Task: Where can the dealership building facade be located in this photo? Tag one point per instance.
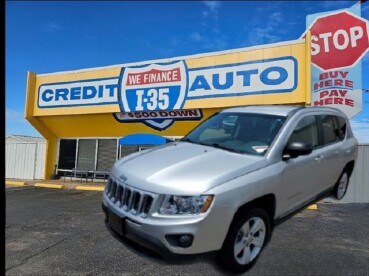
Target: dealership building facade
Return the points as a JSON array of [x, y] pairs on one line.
[[84, 114]]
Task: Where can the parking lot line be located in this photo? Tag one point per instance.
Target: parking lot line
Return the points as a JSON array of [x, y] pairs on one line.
[[312, 207], [52, 186], [17, 183], [90, 188]]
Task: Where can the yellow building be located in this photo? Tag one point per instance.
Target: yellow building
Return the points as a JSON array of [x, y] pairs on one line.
[[82, 114]]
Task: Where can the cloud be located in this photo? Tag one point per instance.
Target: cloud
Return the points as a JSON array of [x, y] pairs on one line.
[[260, 35], [15, 123], [209, 34], [14, 116], [212, 8], [196, 36], [276, 18], [51, 27], [216, 44]]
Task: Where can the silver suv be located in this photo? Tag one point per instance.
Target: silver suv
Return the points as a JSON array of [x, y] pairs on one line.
[[231, 180]]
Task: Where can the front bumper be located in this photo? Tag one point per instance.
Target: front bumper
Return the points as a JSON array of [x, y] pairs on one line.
[[152, 232]]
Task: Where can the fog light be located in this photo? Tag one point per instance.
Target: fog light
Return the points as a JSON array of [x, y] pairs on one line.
[[182, 240], [185, 240]]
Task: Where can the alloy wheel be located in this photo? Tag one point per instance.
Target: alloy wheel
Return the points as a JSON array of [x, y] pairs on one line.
[[249, 240]]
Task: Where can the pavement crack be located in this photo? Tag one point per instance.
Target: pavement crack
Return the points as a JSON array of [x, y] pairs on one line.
[[35, 254]]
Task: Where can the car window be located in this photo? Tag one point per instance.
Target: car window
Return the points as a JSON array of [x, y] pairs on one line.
[[329, 129], [219, 128], [238, 132], [306, 131], [340, 128]]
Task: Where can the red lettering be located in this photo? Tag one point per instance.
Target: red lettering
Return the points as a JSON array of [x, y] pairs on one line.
[[349, 83], [338, 82], [319, 103], [338, 101], [349, 102], [324, 93]]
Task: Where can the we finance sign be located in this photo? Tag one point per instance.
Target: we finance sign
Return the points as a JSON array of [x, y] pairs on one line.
[[156, 93]]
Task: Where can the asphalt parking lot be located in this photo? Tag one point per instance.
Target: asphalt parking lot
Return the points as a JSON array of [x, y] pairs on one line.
[[54, 232]]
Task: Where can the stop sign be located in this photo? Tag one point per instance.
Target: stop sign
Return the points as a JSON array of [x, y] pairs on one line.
[[338, 40]]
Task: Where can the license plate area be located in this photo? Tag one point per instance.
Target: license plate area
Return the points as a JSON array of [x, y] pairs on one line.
[[115, 222]]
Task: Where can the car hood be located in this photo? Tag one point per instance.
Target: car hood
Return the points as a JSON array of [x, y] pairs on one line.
[[183, 168]]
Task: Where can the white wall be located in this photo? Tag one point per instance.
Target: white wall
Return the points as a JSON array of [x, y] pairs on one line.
[[358, 191], [25, 160]]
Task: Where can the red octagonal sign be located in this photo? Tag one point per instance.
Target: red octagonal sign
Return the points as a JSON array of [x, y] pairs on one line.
[[338, 40]]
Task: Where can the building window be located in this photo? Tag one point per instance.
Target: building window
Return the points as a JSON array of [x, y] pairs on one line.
[[67, 154], [86, 154], [127, 149], [106, 154]]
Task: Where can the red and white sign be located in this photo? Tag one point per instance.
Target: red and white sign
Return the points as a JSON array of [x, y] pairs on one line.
[[338, 40], [335, 89]]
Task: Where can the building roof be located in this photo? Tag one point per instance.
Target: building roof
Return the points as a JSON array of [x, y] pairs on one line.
[[279, 110], [23, 139]]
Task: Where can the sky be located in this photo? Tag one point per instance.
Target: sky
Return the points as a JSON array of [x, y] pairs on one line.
[[52, 36]]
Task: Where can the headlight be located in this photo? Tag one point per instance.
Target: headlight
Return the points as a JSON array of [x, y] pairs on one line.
[[185, 205]]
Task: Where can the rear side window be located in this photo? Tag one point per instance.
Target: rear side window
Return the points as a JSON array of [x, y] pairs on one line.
[[340, 129], [333, 128]]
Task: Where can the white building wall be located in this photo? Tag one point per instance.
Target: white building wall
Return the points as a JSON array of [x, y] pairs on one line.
[[24, 160], [358, 191], [40, 160]]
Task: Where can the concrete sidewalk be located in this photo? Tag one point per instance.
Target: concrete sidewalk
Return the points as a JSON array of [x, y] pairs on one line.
[[60, 184]]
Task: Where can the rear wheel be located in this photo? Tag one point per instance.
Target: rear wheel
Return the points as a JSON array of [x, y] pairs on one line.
[[342, 185], [245, 240]]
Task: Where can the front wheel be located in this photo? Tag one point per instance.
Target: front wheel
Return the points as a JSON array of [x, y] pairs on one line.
[[245, 240], [342, 185]]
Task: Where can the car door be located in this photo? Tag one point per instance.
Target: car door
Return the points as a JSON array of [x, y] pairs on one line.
[[301, 173], [331, 161]]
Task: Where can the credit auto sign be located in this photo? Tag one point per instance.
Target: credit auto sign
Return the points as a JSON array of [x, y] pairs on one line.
[[338, 40]]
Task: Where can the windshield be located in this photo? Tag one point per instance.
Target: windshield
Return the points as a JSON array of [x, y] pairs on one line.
[[238, 132]]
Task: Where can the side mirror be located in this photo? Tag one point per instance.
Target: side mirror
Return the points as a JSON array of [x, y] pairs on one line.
[[295, 149]]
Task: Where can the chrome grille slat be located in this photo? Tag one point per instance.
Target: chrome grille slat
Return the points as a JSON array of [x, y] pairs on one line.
[[140, 205], [129, 199]]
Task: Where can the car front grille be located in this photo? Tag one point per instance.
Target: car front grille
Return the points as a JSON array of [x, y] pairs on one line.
[[128, 199]]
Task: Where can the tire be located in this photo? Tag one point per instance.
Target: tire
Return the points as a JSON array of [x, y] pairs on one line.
[[342, 185], [246, 238]]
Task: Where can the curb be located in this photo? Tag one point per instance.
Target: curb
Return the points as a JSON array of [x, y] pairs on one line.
[[90, 188], [16, 183], [312, 207], [52, 186]]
